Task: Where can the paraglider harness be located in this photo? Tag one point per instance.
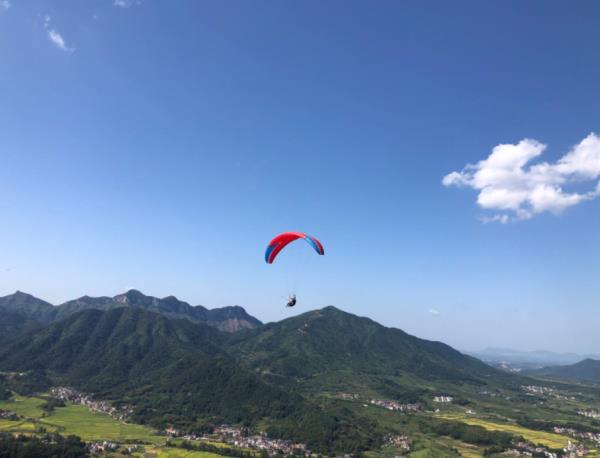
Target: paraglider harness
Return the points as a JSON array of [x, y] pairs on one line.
[[291, 301]]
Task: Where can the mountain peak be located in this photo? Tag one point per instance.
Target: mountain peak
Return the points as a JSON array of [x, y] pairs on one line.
[[130, 296], [22, 297], [332, 309]]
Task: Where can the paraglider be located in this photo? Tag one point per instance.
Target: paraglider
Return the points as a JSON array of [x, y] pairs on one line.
[[291, 301], [281, 241]]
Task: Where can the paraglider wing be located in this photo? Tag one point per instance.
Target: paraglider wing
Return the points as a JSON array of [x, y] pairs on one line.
[[282, 240]]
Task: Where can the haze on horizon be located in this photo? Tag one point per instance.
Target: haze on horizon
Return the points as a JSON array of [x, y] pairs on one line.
[[448, 161]]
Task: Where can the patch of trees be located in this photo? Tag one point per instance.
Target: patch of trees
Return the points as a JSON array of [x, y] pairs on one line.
[[542, 425], [26, 384], [476, 435], [49, 446], [5, 394], [51, 404]]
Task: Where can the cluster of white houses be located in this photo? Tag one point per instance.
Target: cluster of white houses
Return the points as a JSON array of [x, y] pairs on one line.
[[65, 393], [590, 413], [8, 415], [243, 438], [395, 405], [103, 446], [397, 440], [535, 389], [586, 435]]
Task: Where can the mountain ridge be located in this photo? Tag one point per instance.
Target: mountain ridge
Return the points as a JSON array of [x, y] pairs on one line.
[[586, 371], [341, 351], [31, 308]]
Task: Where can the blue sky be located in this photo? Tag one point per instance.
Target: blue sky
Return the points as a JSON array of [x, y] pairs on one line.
[[160, 145]]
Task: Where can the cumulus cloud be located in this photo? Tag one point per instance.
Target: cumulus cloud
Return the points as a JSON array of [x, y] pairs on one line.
[[435, 312], [513, 188], [5, 4]]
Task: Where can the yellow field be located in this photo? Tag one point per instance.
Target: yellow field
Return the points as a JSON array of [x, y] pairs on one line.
[[551, 440], [8, 426], [167, 452], [465, 450]]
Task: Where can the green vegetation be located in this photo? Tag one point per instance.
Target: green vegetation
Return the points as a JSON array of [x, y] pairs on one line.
[[330, 340], [24, 406], [79, 421], [283, 378], [155, 364], [586, 371], [22, 312], [75, 420], [169, 452], [547, 439], [47, 446]]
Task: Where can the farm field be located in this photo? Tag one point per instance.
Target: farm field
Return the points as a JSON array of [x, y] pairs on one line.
[[169, 452], [80, 421], [547, 439], [75, 420], [28, 407]]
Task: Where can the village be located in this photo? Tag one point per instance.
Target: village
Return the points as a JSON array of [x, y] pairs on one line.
[[244, 438], [8, 415], [535, 390], [528, 449], [394, 405], [76, 397], [397, 441], [385, 403], [590, 413]]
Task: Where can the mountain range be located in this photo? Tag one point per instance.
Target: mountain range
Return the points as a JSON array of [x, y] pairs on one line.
[[177, 364], [527, 359], [586, 371], [28, 312]]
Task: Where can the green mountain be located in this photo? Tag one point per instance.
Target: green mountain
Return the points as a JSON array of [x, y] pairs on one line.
[[587, 370], [174, 370], [35, 310], [334, 350], [12, 324], [28, 306], [282, 376]]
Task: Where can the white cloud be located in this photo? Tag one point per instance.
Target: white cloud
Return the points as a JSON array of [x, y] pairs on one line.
[[5, 4], [503, 219], [59, 41], [126, 3], [507, 184], [435, 312]]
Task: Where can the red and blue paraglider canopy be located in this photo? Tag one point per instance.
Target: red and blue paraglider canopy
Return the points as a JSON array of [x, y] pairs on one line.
[[282, 240]]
